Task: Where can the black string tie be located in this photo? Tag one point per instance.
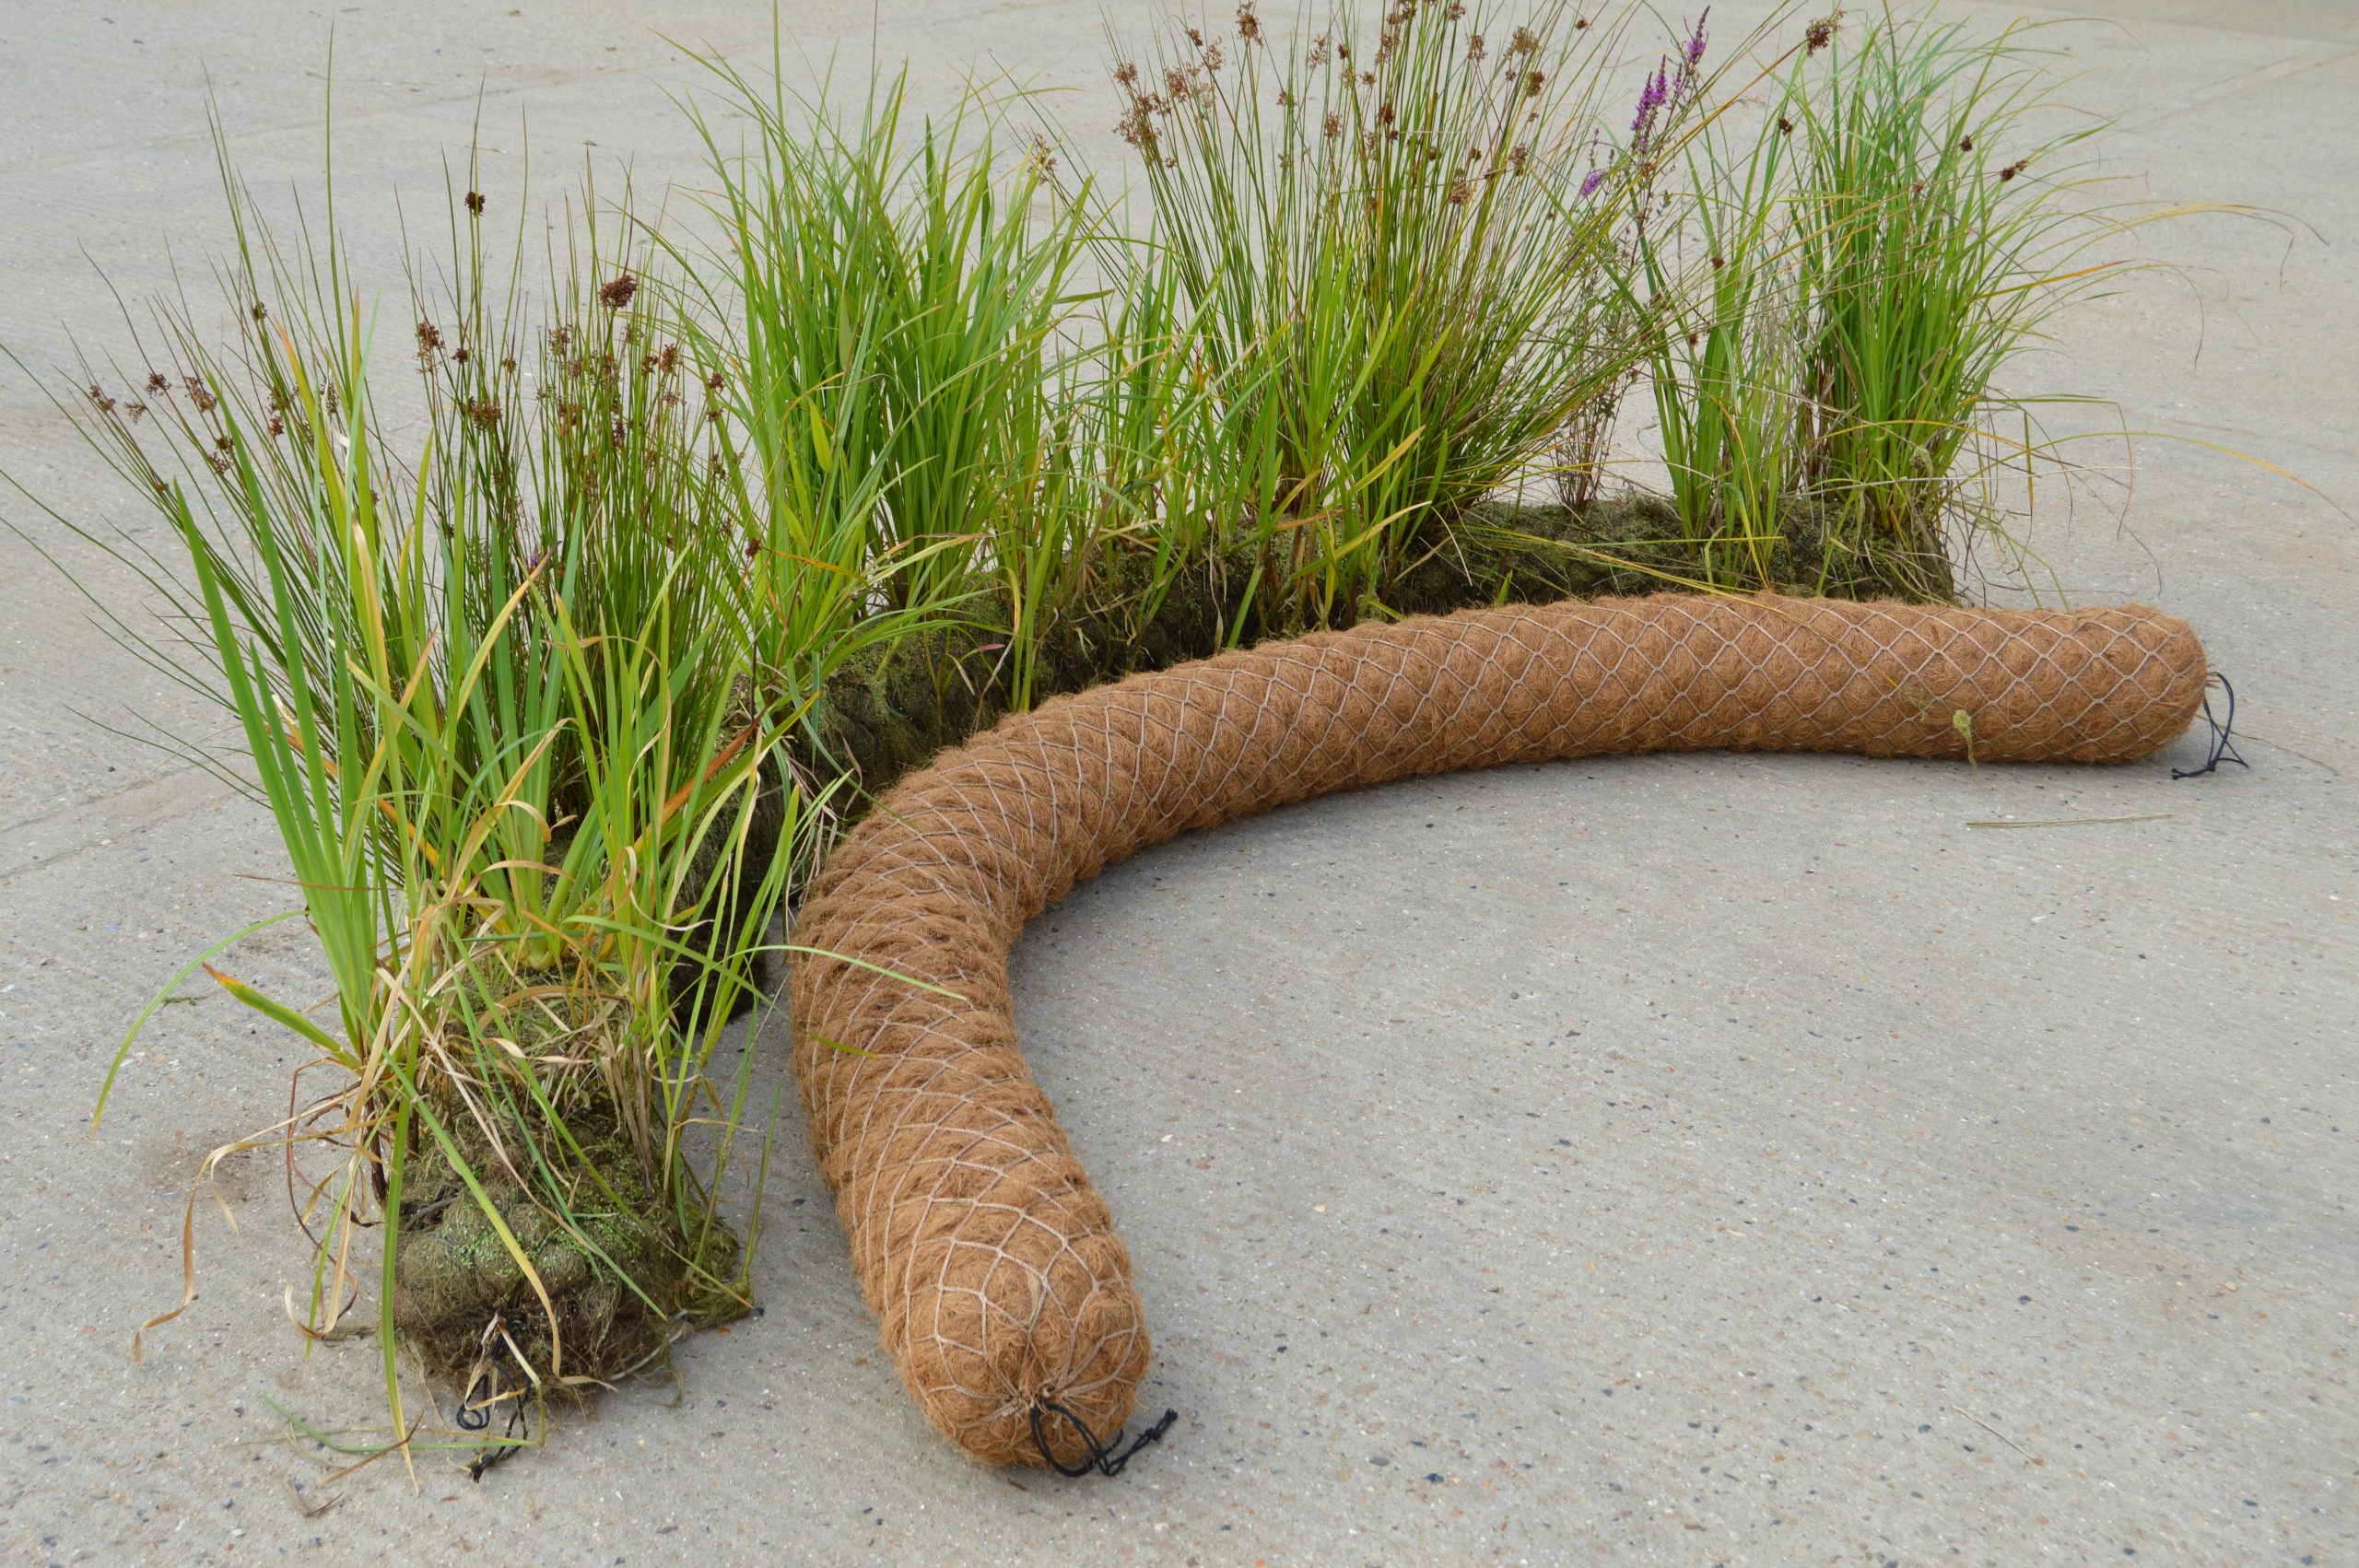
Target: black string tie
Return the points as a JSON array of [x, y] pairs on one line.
[[2223, 750], [475, 1415], [1099, 1461]]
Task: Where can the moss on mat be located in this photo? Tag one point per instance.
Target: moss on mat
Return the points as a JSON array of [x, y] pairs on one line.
[[454, 1279]]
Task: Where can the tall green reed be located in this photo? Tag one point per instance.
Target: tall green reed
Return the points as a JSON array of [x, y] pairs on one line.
[[1927, 257], [964, 395]]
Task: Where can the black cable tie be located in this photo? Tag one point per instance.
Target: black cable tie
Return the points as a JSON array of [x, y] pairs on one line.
[[2223, 750], [507, 1443], [472, 1416], [1099, 1461], [476, 1415]]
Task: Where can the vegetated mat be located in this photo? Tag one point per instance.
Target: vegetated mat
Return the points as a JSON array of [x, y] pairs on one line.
[[893, 706], [1004, 1295]]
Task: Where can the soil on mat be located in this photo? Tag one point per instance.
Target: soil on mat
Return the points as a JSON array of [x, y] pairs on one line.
[[453, 1278], [886, 712]]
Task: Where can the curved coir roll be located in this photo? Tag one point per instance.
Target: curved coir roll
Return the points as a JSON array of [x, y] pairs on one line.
[[978, 1241]]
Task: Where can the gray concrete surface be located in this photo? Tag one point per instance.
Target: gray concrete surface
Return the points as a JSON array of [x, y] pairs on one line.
[[1695, 1160]]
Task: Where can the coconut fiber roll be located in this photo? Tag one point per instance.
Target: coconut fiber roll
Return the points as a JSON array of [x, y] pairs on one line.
[[990, 1262]]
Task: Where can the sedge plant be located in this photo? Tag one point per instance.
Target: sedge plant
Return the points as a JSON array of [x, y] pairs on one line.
[[1939, 225], [1866, 233], [884, 310], [1394, 270], [496, 693]]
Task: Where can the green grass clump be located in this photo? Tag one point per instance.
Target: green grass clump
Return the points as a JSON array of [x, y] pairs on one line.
[[943, 393], [1393, 272], [495, 689], [1860, 243], [1936, 234], [1721, 361]]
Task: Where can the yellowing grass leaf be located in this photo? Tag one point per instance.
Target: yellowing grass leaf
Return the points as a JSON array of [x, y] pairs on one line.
[[280, 1014]]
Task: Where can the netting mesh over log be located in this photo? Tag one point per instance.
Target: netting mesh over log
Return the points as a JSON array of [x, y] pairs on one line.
[[990, 1261]]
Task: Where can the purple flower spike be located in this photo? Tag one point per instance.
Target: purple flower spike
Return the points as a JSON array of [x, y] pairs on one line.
[[1590, 185], [1690, 58], [1651, 97], [1650, 100]]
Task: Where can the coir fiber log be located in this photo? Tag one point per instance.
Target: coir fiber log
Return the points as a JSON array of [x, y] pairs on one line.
[[988, 1260]]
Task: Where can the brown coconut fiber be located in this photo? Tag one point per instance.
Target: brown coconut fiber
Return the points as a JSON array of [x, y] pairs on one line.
[[990, 1261]]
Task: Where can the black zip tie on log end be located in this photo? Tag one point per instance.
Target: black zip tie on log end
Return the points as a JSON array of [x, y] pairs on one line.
[[1101, 1460], [2223, 749]]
